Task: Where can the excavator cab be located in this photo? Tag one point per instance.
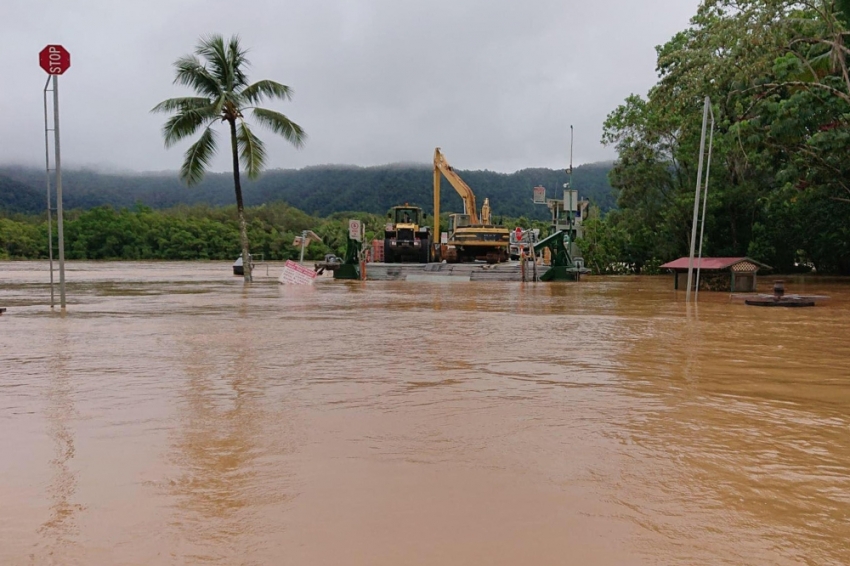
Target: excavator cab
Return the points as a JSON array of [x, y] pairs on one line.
[[458, 221]]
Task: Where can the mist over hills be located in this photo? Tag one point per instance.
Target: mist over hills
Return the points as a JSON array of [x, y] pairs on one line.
[[319, 190]]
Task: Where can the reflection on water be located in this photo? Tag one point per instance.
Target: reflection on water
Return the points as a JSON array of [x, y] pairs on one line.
[[176, 416], [58, 532], [219, 448]]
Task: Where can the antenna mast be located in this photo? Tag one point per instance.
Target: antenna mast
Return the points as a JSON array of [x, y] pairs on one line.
[[570, 183]]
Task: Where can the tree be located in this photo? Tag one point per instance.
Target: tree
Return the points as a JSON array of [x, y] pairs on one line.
[[217, 73], [777, 74]]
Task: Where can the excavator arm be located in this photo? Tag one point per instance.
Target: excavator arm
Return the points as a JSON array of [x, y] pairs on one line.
[[441, 166]]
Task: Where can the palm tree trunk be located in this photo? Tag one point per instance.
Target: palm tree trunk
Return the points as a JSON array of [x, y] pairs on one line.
[[237, 185]]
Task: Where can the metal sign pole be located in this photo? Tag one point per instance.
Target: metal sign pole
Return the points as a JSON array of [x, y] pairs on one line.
[[49, 199], [303, 244], [59, 212], [55, 60]]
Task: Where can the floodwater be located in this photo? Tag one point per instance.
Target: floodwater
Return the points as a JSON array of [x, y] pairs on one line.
[[174, 416]]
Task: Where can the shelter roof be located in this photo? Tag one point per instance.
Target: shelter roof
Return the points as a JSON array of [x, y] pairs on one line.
[[717, 263]]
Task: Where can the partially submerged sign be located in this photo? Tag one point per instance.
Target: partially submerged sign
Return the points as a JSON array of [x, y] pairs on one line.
[[295, 274], [306, 237]]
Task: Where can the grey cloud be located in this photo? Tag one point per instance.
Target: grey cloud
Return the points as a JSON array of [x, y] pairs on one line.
[[495, 83]]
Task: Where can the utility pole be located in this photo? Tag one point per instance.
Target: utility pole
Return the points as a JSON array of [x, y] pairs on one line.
[[568, 196], [704, 201], [705, 114], [572, 209]]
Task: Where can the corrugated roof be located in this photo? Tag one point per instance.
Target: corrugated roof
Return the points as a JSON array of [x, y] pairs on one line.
[[709, 263]]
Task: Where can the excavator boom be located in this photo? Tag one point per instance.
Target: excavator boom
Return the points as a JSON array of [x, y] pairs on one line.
[[442, 166], [470, 237]]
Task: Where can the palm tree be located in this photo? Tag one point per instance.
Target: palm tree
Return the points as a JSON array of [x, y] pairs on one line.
[[217, 73]]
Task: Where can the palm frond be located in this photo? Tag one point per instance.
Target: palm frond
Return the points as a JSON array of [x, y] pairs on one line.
[[238, 62], [198, 158], [190, 72], [261, 90], [281, 125], [186, 122], [179, 104], [227, 61], [211, 48], [252, 151]]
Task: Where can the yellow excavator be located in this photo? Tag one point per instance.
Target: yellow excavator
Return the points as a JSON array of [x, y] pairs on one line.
[[470, 237]]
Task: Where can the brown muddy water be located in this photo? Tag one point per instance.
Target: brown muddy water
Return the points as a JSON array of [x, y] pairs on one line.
[[174, 416]]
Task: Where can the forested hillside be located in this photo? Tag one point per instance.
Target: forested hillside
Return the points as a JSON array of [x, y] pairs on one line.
[[320, 191], [19, 197]]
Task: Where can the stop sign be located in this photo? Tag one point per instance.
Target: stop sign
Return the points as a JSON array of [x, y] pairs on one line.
[[54, 59], [518, 233]]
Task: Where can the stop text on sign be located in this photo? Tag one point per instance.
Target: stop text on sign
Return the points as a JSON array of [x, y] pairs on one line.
[[54, 59]]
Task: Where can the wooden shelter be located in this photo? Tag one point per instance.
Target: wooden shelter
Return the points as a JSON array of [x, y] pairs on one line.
[[733, 274]]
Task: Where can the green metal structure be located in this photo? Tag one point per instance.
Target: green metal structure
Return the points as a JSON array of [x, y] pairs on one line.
[[350, 268], [562, 267]]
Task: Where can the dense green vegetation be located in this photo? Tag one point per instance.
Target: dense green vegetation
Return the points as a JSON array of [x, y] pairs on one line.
[[180, 233], [777, 75], [187, 233], [321, 191]]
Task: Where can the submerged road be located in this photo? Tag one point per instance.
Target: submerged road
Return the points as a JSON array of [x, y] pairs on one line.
[[174, 416]]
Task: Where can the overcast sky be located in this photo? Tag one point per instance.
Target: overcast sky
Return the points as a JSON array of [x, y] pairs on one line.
[[496, 84]]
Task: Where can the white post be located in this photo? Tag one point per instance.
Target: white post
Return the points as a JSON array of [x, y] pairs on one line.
[[696, 201], [705, 201], [303, 244], [59, 213]]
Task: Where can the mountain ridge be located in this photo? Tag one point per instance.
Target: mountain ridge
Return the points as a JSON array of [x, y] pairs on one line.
[[320, 189]]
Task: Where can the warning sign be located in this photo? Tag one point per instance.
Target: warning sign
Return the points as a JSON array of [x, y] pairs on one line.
[[295, 274], [539, 195], [354, 230]]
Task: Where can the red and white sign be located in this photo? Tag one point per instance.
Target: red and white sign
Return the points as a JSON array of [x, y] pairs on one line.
[[354, 230], [539, 195], [296, 274], [54, 59], [518, 234]]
